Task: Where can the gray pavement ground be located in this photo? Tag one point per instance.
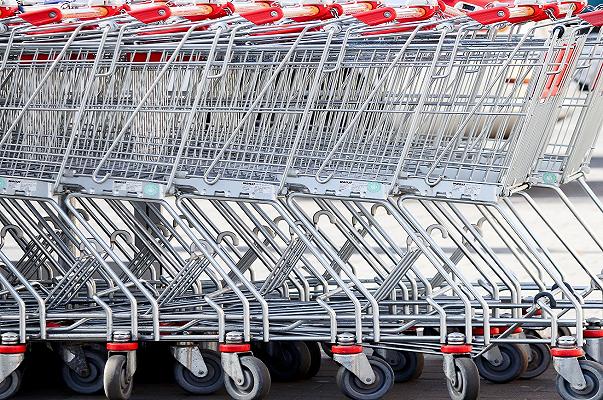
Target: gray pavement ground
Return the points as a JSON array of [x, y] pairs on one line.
[[430, 386]]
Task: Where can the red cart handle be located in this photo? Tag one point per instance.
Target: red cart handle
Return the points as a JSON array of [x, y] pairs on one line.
[[8, 11], [492, 15], [148, 14], [264, 15], [595, 18], [376, 17]]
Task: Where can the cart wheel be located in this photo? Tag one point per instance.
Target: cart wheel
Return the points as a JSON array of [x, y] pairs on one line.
[[256, 384], [286, 361], [539, 360], [326, 347], [315, 359], [514, 364], [564, 331], [593, 374], [466, 384], [90, 383], [405, 364], [353, 388], [10, 386], [210, 383], [117, 383]]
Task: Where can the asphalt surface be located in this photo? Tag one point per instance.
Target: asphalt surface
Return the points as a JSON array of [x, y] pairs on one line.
[[157, 385]]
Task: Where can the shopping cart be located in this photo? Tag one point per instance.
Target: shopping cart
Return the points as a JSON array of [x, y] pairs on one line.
[[260, 133]]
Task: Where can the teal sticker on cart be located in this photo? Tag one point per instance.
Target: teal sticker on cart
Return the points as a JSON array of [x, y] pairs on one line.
[[151, 190], [2, 183], [374, 187], [549, 178]]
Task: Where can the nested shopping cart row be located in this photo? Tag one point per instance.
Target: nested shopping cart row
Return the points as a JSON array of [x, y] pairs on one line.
[[272, 179]]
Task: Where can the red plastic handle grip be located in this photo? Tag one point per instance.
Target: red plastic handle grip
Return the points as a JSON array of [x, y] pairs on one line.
[[548, 8], [7, 12], [377, 17], [595, 18], [43, 16], [150, 14], [490, 15], [322, 12], [264, 16]]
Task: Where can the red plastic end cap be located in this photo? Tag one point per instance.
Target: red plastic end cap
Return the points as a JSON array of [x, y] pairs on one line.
[[7, 12], [559, 352], [127, 346], [264, 15], [377, 16], [456, 349], [13, 349], [593, 333], [480, 331], [42, 17], [519, 329], [490, 15], [354, 349], [594, 18], [235, 348], [150, 14]]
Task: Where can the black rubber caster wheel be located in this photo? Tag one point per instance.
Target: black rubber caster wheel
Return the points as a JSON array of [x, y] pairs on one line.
[[326, 347], [92, 381], [118, 385], [315, 359], [406, 365], [10, 386], [355, 389], [593, 374], [514, 364], [466, 383], [286, 361], [208, 384], [538, 361], [256, 384]]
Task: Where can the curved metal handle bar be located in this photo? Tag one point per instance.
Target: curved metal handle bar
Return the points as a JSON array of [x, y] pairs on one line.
[[165, 231], [562, 62], [317, 215], [410, 241], [84, 213], [234, 239], [227, 54], [95, 244], [194, 247], [376, 207], [16, 231], [455, 48], [11, 39], [115, 57], [252, 106], [265, 229], [357, 217], [50, 220], [341, 55], [130, 120], [127, 236], [437, 227]]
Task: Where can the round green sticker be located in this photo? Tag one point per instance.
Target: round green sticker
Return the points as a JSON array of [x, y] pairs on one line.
[[151, 189], [549, 178], [374, 187]]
